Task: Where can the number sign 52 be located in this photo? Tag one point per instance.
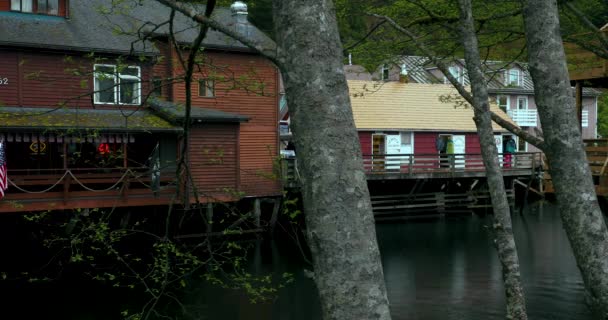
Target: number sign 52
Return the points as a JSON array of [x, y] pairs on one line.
[[3, 81]]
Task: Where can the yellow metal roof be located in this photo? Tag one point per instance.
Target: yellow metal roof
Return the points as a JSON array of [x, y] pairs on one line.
[[411, 106]]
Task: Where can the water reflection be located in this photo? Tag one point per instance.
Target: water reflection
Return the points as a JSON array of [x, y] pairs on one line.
[[434, 269]]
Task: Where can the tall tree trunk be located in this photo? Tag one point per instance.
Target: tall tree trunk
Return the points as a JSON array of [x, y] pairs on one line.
[[574, 188], [503, 232], [340, 224]]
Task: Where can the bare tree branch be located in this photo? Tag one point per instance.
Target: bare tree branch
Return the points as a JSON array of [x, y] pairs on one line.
[[601, 36], [534, 140], [267, 49]]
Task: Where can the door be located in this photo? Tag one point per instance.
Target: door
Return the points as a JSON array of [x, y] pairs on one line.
[[459, 150], [498, 142], [378, 151], [393, 150]]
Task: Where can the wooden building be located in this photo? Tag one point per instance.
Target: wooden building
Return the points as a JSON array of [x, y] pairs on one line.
[[395, 119], [92, 117]]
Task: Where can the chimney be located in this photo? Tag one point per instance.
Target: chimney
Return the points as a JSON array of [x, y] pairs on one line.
[[403, 76], [239, 13]]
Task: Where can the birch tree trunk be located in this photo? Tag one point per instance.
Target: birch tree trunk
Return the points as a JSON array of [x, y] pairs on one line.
[[340, 224], [572, 179], [503, 232]]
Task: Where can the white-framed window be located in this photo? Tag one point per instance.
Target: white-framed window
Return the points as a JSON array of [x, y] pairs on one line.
[[522, 145], [22, 5], [503, 102], [385, 72], [514, 77], [456, 72], [206, 88], [522, 103], [117, 84], [50, 7]]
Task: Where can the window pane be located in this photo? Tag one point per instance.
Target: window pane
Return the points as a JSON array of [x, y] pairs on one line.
[[202, 89], [42, 6], [129, 91], [130, 71], [105, 69], [210, 90], [16, 5], [105, 85], [27, 5], [53, 7], [157, 86]]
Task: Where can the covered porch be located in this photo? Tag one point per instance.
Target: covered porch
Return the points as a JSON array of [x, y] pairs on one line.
[[70, 158]]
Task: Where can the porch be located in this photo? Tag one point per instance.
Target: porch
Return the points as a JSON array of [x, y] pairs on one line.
[[430, 166], [57, 189]]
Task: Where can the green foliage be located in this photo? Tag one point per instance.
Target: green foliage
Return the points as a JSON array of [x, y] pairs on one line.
[[163, 267], [602, 115]]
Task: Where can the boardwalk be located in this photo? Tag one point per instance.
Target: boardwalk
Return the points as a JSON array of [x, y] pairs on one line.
[[431, 166]]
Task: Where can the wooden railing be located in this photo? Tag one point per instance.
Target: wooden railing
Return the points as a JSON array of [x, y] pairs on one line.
[[428, 163], [524, 117], [453, 163], [38, 181]]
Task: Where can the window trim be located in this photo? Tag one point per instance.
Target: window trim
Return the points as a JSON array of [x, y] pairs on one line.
[[35, 8], [386, 69], [204, 82], [525, 98], [520, 80], [157, 86], [508, 106], [117, 79], [459, 75]]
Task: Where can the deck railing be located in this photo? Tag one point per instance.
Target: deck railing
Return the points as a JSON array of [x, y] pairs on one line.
[[413, 164], [93, 180], [524, 117], [420, 163]]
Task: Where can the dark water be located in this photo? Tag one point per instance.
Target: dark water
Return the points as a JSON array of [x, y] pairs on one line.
[[434, 269]]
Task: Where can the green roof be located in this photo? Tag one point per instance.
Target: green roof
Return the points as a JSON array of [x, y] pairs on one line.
[[82, 119]]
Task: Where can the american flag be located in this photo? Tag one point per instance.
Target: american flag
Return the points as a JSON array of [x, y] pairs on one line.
[[3, 178]]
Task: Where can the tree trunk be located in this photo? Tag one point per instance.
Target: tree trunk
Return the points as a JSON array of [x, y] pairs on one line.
[[340, 224], [503, 232], [569, 168]]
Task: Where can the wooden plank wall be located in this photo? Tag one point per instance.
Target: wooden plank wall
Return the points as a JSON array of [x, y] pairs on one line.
[[246, 84], [213, 158], [50, 79]]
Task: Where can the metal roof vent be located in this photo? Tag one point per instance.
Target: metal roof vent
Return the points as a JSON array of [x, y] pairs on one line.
[[239, 9], [239, 12]]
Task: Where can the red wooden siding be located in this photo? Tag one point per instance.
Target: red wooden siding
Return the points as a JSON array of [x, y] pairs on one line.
[[5, 5], [365, 138], [472, 144], [245, 84], [237, 69], [50, 80], [9, 70], [257, 154], [162, 69], [213, 158], [424, 142]]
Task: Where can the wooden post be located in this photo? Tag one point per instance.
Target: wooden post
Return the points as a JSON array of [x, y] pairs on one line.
[[125, 162], [257, 212], [410, 164], [209, 217], [440, 201], [579, 103], [275, 213]]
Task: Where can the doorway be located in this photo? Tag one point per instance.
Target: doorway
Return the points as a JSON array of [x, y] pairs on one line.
[[378, 152]]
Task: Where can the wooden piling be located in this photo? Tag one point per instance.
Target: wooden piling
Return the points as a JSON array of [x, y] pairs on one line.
[[257, 212]]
